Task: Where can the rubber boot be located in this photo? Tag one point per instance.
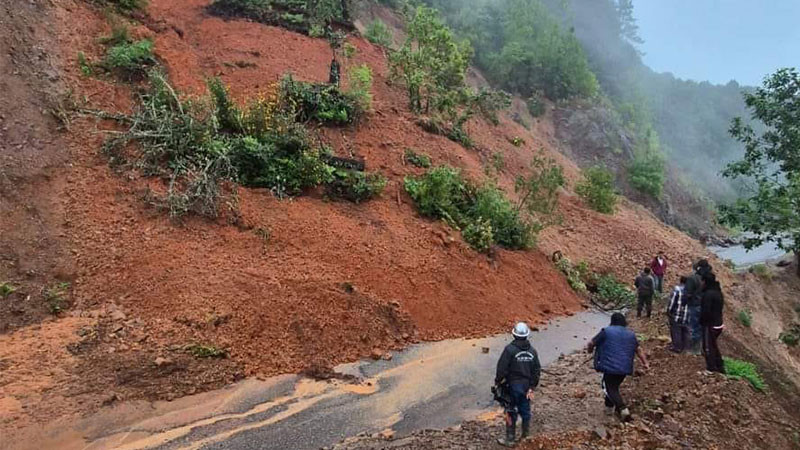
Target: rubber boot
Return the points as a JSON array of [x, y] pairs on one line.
[[526, 430], [508, 440]]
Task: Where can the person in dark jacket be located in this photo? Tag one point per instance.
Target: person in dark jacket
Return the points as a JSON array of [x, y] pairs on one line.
[[645, 288], [711, 320], [659, 268], [678, 315], [694, 295], [614, 348], [518, 370]]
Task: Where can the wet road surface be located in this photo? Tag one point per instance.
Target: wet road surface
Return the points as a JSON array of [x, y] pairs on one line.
[[431, 385]]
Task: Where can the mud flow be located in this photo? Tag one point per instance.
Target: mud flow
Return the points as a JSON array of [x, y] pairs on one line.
[[435, 385]]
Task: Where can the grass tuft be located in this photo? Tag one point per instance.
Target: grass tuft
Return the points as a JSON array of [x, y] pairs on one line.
[[738, 369]]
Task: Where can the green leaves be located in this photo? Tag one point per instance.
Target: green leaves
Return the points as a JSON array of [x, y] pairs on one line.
[[597, 189], [771, 164]]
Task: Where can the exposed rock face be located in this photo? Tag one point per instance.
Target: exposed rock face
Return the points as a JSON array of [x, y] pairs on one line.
[[594, 135]]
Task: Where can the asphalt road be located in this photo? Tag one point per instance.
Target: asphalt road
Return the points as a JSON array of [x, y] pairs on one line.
[[432, 385]]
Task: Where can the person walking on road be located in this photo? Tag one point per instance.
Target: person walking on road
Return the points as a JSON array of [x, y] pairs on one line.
[[518, 371], [614, 348], [659, 268], [645, 287], [711, 320], [678, 314]]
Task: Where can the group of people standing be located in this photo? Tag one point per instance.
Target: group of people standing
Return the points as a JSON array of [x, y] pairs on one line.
[[694, 313]]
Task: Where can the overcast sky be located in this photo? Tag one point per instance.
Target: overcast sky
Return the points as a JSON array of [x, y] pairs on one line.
[[720, 40]]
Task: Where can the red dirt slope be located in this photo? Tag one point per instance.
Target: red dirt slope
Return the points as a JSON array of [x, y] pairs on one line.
[[335, 281]]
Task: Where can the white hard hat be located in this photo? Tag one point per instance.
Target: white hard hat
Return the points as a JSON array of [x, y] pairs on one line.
[[521, 330]]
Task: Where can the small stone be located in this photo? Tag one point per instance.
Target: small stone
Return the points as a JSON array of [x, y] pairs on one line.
[[600, 432], [485, 349], [376, 354], [160, 361], [387, 356], [118, 315]]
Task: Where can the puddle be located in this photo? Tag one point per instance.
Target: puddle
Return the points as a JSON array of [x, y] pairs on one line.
[[431, 385]]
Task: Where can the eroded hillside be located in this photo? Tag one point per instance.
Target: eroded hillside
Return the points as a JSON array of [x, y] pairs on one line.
[[333, 282]]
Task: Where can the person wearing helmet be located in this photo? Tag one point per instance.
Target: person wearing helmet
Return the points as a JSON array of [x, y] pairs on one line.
[[518, 370], [614, 348]]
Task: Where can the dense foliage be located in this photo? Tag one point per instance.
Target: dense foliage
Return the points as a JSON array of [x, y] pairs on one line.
[[432, 65], [378, 33], [204, 145], [597, 189], [771, 164], [306, 16], [484, 213], [690, 118], [522, 47], [130, 58]]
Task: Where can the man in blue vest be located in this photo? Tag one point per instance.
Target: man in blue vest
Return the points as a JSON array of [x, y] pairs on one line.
[[518, 371], [614, 348]]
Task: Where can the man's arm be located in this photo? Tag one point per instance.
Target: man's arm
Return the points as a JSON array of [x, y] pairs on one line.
[[536, 370], [642, 357], [597, 340], [502, 366]]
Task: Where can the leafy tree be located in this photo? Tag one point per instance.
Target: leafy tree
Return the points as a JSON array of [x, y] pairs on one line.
[[597, 189], [538, 191], [378, 33], [771, 211], [432, 63]]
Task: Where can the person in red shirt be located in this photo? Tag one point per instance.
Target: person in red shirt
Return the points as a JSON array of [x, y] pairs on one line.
[[659, 268]]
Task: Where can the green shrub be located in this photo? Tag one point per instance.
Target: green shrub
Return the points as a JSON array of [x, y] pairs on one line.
[[56, 297], [498, 161], [443, 193], [124, 6], [206, 351], [479, 235], [791, 337], [646, 172], [378, 33], [417, 159], [6, 289], [538, 192], [762, 271], [597, 189], [517, 141], [745, 318], [83, 64], [536, 106], [611, 291], [355, 186], [119, 34], [738, 369], [509, 228], [326, 103], [574, 276], [203, 146], [358, 88], [130, 58]]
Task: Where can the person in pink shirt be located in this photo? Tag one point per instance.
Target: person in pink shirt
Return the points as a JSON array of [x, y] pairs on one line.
[[659, 268]]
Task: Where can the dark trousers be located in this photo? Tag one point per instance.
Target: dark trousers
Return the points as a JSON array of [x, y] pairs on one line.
[[645, 302], [520, 405], [611, 384], [680, 336], [694, 323], [711, 350], [659, 283]]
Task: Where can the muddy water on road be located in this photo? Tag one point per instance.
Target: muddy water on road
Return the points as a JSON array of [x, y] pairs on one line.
[[431, 385]]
